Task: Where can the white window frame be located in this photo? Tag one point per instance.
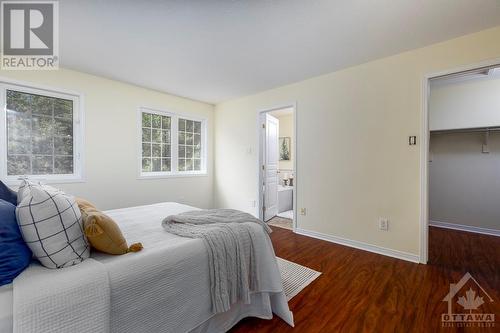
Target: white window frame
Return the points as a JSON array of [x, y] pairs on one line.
[[174, 150], [78, 132]]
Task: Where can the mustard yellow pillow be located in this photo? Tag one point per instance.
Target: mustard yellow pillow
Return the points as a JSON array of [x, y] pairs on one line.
[[102, 232]]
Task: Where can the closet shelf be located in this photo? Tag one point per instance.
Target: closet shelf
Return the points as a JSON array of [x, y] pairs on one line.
[[468, 130]]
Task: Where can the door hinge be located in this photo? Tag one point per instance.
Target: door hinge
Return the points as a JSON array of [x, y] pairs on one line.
[[264, 208], [263, 167], [263, 125]]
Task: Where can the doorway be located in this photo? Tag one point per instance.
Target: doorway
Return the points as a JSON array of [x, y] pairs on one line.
[[461, 184], [277, 166]]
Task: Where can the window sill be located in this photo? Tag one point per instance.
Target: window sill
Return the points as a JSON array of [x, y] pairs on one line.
[[173, 175], [48, 181]]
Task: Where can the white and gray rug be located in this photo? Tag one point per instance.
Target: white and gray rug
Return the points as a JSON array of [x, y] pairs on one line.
[[295, 277]]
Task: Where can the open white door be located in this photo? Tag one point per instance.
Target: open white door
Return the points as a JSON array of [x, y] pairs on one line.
[[270, 169]]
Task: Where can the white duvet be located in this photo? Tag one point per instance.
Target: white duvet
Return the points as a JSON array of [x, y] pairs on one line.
[[163, 288]]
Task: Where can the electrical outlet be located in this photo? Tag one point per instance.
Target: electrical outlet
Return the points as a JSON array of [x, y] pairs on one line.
[[383, 224], [302, 211]]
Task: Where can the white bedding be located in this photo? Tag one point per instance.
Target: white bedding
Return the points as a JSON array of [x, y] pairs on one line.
[[73, 299], [6, 308], [165, 287]]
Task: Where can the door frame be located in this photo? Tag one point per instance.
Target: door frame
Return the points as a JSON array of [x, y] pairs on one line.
[[260, 159], [425, 145]]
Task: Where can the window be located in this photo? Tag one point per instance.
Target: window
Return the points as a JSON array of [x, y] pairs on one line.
[[41, 133], [189, 145], [171, 144], [156, 143]]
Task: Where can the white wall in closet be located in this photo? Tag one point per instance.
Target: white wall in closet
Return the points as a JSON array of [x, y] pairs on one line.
[[464, 186], [465, 104], [464, 177]]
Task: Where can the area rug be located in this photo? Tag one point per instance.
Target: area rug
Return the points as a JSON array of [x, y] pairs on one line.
[[295, 277]]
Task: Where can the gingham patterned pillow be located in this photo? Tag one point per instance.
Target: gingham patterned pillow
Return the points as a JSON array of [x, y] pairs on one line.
[[51, 225]]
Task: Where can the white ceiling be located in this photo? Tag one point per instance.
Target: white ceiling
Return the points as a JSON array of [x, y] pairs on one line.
[[215, 50]]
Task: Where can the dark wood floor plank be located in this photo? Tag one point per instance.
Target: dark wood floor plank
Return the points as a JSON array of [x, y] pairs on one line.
[[361, 291]]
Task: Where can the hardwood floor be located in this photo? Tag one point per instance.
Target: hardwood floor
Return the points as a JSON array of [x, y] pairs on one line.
[[464, 251], [361, 291]]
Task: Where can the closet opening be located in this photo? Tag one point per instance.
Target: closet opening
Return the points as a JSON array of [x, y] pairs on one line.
[[463, 172]]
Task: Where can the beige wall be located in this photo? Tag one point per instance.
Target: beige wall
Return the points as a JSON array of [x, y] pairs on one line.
[[110, 112], [464, 183], [468, 104], [286, 130], [354, 164]]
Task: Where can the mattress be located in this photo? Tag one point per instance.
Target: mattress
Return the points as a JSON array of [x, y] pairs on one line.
[[167, 283], [6, 308]]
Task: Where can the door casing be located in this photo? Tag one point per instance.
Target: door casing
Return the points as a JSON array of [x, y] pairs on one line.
[[260, 159]]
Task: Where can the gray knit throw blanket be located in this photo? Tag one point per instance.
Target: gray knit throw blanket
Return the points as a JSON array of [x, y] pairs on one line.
[[229, 238]]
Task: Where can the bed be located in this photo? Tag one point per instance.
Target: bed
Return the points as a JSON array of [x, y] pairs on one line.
[[163, 288], [6, 308]]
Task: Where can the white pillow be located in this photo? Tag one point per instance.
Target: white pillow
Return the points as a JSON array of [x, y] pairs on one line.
[[51, 224]]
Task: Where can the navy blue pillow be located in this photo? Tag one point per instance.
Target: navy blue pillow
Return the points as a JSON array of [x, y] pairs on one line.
[[7, 194], [15, 255]]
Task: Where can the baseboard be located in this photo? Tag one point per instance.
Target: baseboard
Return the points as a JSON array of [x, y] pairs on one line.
[[468, 228], [360, 245]]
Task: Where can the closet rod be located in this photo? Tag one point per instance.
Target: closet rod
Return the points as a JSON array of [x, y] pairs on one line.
[[468, 130]]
